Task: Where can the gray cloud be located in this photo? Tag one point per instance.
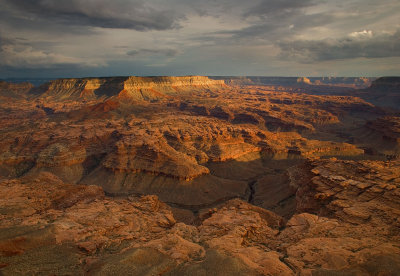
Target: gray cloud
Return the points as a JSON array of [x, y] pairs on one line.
[[242, 9], [121, 14], [276, 20], [102, 37], [151, 52], [278, 8], [18, 53], [364, 44]]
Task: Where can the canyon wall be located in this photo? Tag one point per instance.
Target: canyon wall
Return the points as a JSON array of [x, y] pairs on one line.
[[135, 87]]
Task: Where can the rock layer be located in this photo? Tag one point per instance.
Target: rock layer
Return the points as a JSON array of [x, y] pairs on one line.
[[136, 88]]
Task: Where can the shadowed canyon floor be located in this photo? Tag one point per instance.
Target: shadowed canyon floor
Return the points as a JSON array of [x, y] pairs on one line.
[[192, 175]]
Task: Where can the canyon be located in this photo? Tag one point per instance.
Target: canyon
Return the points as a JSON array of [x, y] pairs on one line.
[[200, 175]]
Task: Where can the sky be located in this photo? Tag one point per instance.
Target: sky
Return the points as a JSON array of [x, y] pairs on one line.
[[82, 38]]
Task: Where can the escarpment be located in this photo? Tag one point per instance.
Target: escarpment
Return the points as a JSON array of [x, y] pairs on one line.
[[389, 83], [383, 92], [136, 88]]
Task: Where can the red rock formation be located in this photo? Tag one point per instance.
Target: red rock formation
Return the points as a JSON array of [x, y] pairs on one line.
[[204, 148], [136, 88]]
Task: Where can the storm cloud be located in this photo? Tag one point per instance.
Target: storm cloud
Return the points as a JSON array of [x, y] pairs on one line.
[[188, 37], [278, 8], [121, 14]]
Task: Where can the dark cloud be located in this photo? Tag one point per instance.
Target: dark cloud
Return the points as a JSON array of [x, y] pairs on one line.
[[278, 8], [242, 9], [362, 44], [90, 37], [121, 14], [277, 20], [151, 52]]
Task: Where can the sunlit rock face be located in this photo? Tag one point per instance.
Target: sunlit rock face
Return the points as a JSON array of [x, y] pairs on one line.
[[193, 175], [131, 87]]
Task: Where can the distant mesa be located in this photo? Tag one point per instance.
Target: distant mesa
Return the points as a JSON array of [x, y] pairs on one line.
[[304, 80], [137, 88], [387, 83], [345, 82]]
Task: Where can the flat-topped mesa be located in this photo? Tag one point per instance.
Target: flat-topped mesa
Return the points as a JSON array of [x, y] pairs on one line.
[[144, 88], [154, 88], [68, 88], [151, 82]]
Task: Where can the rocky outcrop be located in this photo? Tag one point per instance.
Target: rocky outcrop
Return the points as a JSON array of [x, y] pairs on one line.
[[351, 191], [355, 223], [135, 155], [66, 161]]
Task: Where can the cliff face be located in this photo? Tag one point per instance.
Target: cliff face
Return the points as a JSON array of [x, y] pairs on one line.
[[146, 88], [384, 132], [153, 82], [384, 92], [386, 83]]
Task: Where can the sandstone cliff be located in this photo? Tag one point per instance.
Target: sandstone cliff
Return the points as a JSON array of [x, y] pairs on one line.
[[137, 88]]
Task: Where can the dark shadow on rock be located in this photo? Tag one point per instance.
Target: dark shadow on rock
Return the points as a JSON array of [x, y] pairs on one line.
[[111, 87]]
